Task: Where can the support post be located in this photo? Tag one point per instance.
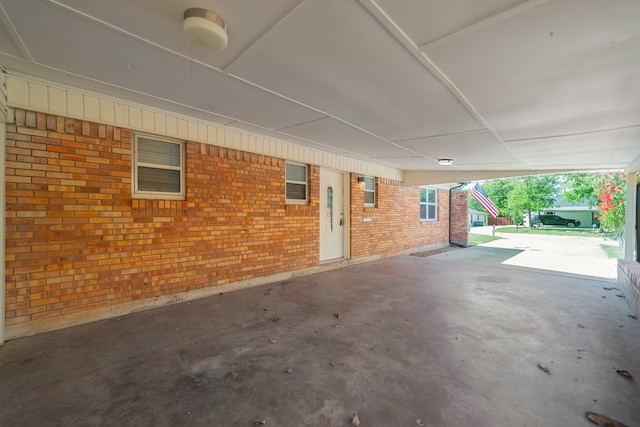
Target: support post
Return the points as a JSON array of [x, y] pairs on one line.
[[630, 217]]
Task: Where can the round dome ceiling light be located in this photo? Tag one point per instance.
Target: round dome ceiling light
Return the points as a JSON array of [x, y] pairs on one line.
[[205, 28]]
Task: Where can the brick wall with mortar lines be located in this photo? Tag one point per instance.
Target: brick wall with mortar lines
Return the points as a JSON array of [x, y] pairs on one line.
[[395, 224], [460, 217], [76, 240]]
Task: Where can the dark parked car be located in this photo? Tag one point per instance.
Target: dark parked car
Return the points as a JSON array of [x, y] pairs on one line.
[[554, 220]]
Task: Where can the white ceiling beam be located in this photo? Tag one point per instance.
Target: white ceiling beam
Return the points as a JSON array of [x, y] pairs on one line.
[[485, 23]]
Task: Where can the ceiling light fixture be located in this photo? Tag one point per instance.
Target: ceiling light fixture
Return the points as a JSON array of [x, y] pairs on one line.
[[205, 28], [445, 162]]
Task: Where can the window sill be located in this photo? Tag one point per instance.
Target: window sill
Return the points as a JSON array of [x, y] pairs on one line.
[[159, 196]]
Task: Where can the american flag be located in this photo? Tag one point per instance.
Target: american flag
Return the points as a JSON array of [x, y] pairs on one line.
[[479, 194]]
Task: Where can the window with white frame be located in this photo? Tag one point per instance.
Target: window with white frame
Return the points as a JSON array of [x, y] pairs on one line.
[[296, 182], [158, 168], [428, 204], [369, 192]]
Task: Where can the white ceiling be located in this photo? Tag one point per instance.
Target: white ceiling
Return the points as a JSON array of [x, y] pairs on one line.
[[497, 85]]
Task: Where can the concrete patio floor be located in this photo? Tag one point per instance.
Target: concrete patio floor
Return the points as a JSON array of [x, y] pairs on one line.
[[454, 339]]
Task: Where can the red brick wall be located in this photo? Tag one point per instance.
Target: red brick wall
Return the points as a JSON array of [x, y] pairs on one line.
[[460, 218], [76, 240], [395, 221]]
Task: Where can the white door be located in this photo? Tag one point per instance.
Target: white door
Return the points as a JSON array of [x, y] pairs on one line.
[[332, 221]]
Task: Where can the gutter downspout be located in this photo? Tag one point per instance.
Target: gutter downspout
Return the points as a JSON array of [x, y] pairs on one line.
[[4, 115], [450, 215]]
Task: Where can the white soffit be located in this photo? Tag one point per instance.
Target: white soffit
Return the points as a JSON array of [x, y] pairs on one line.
[[336, 58]]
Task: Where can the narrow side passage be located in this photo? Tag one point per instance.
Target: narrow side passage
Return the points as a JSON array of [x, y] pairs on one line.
[[454, 339]]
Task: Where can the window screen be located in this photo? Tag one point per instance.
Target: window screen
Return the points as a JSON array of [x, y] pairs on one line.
[[428, 204], [296, 183], [159, 168], [369, 191]]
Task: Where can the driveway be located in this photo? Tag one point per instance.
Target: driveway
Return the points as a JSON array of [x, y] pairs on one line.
[[565, 254], [454, 339]]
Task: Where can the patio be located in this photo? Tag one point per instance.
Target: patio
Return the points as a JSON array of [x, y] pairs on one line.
[[453, 339]]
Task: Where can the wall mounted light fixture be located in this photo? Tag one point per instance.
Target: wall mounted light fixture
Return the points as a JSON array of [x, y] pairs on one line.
[[205, 28]]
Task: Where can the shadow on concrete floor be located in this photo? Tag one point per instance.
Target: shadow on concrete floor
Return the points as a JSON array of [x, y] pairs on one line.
[[454, 339]]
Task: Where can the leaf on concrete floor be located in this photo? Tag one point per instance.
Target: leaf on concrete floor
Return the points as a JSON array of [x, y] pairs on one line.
[[544, 369], [580, 325], [273, 341], [288, 370], [336, 315], [420, 422], [259, 421], [603, 420], [337, 325], [624, 373], [633, 316], [355, 420]]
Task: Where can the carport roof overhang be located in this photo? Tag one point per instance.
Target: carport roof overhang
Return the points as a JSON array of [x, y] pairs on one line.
[[412, 178], [505, 88]]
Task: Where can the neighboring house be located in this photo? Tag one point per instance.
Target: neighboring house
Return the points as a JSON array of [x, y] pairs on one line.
[[584, 213], [477, 218], [113, 207]]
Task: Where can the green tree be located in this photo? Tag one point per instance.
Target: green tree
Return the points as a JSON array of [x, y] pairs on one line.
[[612, 195], [533, 194], [498, 191], [581, 187]]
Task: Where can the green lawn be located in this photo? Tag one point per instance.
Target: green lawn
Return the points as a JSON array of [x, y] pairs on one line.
[[616, 252], [478, 239], [554, 231]]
